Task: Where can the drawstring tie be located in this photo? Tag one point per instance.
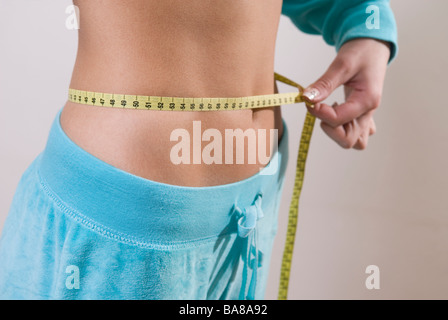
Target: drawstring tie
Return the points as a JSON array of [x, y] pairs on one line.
[[252, 257]]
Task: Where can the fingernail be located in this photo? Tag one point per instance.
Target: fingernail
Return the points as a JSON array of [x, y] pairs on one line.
[[311, 93]]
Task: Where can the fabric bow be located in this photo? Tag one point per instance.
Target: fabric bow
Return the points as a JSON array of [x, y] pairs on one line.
[[252, 257]]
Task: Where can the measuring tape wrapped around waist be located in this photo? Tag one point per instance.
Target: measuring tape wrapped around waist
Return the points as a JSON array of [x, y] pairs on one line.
[[126, 101]]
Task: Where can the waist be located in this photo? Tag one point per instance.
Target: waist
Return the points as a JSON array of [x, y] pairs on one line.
[[138, 141], [149, 143]]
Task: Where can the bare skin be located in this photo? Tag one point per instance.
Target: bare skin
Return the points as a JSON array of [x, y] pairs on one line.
[[171, 48], [202, 49]]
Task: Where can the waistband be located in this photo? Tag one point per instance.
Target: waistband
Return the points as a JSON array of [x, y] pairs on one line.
[[133, 209]]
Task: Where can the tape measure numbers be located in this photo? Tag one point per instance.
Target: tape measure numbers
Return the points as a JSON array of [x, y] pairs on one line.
[[179, 104], [294, 206], [126, 101]]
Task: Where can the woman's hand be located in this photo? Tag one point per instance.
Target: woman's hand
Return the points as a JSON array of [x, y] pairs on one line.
[[360, 66]]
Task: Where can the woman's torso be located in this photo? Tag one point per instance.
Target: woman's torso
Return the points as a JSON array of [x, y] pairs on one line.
[[180, 48]]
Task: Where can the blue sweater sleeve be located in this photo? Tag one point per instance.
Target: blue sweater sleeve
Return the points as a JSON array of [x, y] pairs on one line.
[[341, 20]]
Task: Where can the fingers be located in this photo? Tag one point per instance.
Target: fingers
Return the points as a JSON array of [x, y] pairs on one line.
[[363, 139], [350, 124], [361, 144], [358, 103], [372, 127], [353, 134], [338, 73]]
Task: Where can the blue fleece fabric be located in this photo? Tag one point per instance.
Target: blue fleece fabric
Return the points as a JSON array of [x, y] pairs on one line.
[[79, 228], [339, 21]]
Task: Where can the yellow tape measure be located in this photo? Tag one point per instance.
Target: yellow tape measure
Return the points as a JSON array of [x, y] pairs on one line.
[[294, 206], [179, 104], [127, 101]]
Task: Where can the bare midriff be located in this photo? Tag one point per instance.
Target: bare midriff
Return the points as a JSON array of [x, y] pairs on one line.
[[172, 48]]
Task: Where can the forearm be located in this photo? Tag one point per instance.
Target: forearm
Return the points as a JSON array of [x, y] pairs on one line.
[[341, 21]]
